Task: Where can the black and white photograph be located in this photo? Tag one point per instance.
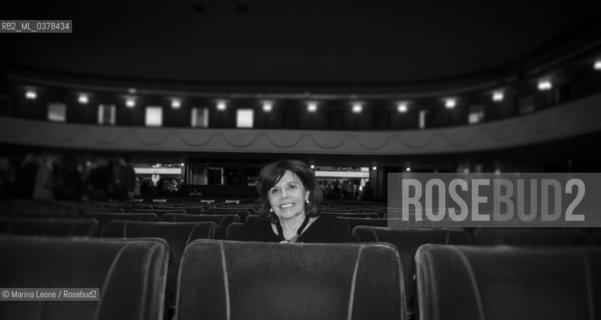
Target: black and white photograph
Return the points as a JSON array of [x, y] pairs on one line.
[[262, 159]]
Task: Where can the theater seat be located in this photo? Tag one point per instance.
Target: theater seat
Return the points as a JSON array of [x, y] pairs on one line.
[[407, 241], [253, 280], [363, 215], [373, 222], [235, 231], [49, 227], [242, 213], [159, 212], [38, 209], [105, 217], [130, 274], [532, 237], [177, 234], [460, 282], [222, 220]]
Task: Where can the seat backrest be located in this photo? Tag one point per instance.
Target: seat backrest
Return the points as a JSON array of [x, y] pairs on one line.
[[177, 234], [242, 213], [131, 276], [49, 227], [236, 231], [109, 209], [407, 241], [105, 217], [222, 220], [159, 212], [532, 237], [374, 222], [353, 214], [38, 209], [141, 206], [255, 280], [551, 283]]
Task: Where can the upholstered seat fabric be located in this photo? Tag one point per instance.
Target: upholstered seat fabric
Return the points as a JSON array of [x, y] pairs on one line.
[[106, 217], [251, 280], [49, 227], [373, 222], [235, 231], [177, 234], [407, 241], [222, 220], [241, 213], [131, 276], [459, 282], [531, 237]]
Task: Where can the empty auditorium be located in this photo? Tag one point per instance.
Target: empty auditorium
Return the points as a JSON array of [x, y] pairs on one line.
[[258, 160]]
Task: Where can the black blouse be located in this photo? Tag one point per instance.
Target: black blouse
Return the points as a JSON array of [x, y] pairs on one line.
[[325, 229]]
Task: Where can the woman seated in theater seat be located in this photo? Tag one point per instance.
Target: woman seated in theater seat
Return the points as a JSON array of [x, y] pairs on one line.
[[289, 197]]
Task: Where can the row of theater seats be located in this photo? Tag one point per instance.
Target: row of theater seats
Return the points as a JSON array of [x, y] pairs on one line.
[[176, 234], [409, 241], [227, 225], [74, 209], [92, 224], [406, 242], [509, 282], [246, 280], [81, 225], [18, 207], [217, 279]]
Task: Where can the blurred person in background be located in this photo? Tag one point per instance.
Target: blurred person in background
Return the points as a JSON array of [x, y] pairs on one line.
[[122, 184], [43, 188], [68, 184], [7, 177], [97, 181], [25, 176]]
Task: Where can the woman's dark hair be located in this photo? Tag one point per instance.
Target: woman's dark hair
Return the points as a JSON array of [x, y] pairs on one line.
[[271, 174]]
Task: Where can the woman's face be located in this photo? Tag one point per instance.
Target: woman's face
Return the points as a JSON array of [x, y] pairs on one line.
[[287, 197]]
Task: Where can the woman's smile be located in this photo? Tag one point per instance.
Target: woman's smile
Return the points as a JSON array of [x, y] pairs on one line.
[[287, 197]]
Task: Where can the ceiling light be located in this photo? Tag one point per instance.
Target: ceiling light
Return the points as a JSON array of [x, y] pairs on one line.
[[221, 105], [597, 65], [311, 106], [31, 95], [267, 106], [83, 98], [498, 96], [402, 107], [130, 102], [357, 107], [544, 85], [450, 103], [176, 103]]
